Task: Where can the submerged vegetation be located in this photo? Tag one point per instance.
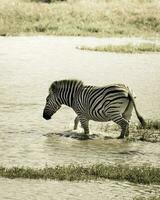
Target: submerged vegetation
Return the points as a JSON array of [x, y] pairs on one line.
[[80, 17], [127, 48], [141, 174]]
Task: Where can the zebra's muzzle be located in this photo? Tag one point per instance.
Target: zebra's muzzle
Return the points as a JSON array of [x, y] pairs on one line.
[[45, 116]]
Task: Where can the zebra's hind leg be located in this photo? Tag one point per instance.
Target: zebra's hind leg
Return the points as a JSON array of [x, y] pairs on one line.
[[127, 115], [76, 121], [123, 123]]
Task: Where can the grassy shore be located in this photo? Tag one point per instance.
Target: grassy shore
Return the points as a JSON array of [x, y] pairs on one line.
[[81, 17], [128, 48], [142, 174]]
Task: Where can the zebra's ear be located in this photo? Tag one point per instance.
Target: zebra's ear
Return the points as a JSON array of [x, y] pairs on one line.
[[53, 87]]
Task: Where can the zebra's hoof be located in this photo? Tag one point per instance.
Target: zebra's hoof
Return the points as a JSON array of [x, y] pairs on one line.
[[85, 137], [120, 137]]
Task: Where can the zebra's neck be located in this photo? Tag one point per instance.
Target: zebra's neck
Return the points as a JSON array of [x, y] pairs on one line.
[[67, 93]]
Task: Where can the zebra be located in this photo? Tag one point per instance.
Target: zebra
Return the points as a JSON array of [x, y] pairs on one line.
[[113, 102]]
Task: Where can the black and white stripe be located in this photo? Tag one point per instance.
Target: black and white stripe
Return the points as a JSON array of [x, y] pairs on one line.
[[110, 103]]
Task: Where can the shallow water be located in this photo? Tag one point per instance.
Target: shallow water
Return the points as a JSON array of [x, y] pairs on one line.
[[28, 65], [39, 189]]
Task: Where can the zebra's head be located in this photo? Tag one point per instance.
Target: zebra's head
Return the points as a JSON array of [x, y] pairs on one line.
[[52, 105], [60, 92]]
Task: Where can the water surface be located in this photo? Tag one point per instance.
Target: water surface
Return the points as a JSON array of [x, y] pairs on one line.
[[53, 190], [28, 65]]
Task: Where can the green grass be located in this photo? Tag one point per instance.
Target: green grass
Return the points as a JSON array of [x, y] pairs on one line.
[[142, 174], [80, 17], [127, 48]]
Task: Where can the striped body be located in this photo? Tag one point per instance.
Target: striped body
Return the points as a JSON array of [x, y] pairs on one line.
[[98, 103], [112, 102]]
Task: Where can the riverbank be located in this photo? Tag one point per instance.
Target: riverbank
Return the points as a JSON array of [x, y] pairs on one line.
[[81, 18]]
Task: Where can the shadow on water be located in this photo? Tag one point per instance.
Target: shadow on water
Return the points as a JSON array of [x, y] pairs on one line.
[[76, 135]]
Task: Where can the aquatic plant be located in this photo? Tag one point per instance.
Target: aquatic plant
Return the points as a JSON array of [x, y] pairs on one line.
[[135, 174]]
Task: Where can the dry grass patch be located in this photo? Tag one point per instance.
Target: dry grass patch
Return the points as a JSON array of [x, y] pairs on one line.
[[127, 48], [81, 17]]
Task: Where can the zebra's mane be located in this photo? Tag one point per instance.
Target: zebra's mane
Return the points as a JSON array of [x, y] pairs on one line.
[[63, 83]]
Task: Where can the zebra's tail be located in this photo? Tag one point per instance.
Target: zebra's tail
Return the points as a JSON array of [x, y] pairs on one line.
[[137, 113]]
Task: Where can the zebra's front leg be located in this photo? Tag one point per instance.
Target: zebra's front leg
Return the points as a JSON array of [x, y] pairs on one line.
[[76, 121], [85, 125]]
